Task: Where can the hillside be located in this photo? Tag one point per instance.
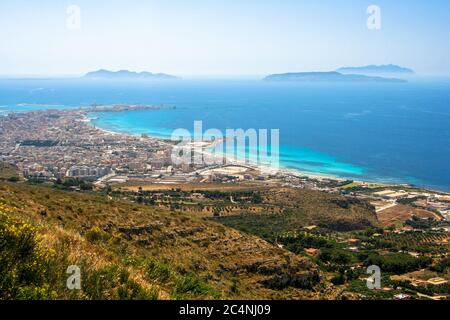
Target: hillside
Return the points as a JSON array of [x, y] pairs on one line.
[[208, 241], [131, 251]]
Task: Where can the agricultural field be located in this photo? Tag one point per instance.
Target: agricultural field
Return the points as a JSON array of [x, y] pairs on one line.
[[422, 242], [400, 213]]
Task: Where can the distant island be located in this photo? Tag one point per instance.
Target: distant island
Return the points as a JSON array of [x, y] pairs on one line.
[[374, 69], [332, 76], [125, 74]]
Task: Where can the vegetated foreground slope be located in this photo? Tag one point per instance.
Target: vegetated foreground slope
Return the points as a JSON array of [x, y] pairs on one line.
[[131, 251]]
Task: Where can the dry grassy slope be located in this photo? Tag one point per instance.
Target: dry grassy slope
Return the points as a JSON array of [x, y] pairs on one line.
[[233, 264]]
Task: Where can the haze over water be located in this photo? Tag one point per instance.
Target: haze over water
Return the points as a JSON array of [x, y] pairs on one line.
[[378, 132]]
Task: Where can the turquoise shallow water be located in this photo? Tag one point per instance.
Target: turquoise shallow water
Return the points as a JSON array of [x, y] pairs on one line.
[[379, 132], [293, 157]]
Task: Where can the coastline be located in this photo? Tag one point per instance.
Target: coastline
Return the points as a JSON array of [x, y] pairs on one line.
[[82, 115], [281, 170]]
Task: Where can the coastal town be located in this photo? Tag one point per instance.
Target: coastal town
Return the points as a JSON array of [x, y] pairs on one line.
[[55, 144]]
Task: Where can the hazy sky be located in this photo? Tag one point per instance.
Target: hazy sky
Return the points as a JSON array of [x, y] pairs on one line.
[[221, 37]]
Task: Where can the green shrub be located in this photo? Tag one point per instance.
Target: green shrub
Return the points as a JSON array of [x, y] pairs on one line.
[[334, 256], [96, 234], [36, 293], [26, 268], [114, 283], [158, 271], [190, 285]]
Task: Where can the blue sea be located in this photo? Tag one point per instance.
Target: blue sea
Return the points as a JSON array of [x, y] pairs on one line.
[[380, 132]]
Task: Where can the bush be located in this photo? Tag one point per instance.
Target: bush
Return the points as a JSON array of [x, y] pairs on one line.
[[112, 282], [338, 280], [190, 284], [442, 265], [36, 293], [158, 271], [96, 234], [30, 271], [334, 256], [257, 198], [25, 267], [72, 182]]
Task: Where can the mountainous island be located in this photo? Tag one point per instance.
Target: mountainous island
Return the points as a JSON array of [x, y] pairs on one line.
[[332, 76], [374, 69], [126, 74]]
